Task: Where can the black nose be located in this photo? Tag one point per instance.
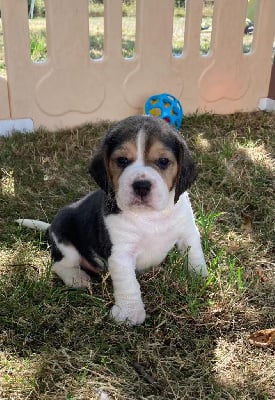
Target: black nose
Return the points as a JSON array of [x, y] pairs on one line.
[[142, 188]]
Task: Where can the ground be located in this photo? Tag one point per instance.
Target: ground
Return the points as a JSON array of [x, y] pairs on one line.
[[57, 343]]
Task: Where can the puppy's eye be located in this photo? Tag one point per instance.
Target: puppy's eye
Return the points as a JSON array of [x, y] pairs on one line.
[[162, 162], [122, 162]]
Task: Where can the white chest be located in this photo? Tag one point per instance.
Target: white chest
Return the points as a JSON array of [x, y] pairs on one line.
[[146, 236]]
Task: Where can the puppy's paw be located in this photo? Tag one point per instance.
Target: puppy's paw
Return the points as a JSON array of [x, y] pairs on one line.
[[73, 277], [200, 270], [80, 280], [131, 314]]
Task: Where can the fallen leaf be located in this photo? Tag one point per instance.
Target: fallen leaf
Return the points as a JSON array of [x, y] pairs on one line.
[[263, 338], [261, 275], [246, 225]]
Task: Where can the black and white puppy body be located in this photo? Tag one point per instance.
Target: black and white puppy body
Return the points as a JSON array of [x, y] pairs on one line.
[[143, 167]]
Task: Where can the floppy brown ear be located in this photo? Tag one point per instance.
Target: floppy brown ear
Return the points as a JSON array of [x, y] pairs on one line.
[[187, 171], [98, 169]]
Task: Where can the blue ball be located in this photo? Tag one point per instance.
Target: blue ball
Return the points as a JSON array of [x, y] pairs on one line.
[[166, 107]]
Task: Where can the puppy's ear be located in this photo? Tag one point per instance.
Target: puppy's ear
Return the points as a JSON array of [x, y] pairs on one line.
[[187, 171], [98, 169]]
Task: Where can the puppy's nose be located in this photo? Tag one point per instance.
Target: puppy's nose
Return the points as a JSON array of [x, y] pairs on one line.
[[142, 187]]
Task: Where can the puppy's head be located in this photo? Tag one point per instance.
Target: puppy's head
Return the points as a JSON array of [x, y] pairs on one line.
[[143, 162]]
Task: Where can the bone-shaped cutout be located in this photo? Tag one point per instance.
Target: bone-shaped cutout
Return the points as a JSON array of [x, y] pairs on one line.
[[62, 91], [145, 81], [224, 80]]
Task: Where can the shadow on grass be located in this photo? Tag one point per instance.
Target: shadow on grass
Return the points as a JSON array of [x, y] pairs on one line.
[[42, 172], [63, 342]]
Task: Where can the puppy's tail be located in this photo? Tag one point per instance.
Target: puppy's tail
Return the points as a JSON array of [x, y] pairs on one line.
[[33, 224]]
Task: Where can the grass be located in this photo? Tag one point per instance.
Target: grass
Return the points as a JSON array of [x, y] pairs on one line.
[[57, 343]]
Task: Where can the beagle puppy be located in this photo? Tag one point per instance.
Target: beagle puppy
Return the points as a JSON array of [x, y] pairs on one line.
[[143, 168]]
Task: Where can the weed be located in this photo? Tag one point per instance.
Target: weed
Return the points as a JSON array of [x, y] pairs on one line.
[[38, 45], [206, 223]]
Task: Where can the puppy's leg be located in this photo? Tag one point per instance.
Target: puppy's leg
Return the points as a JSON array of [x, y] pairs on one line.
[[190, 239], [68, 268], [128, 303]]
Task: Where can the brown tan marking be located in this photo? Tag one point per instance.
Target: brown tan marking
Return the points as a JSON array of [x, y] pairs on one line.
[[127, 150], [156, 151]]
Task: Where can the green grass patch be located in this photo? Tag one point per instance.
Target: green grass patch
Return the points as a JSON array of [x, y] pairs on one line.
[[57, 343], [38, 46]]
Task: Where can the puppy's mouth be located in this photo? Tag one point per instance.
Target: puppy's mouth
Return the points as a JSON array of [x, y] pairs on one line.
[[140, 202], [141, 193]]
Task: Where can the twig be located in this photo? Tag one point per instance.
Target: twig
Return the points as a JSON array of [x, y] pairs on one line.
[[147, 377], [22, 265]]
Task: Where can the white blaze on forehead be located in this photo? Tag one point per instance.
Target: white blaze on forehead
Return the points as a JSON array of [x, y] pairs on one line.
[[159, 195], [140, 147]]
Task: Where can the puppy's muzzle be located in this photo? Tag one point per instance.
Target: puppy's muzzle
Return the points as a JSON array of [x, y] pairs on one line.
[[142, 188]]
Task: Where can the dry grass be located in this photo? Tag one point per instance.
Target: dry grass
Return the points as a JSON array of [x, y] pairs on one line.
[[57, 343]]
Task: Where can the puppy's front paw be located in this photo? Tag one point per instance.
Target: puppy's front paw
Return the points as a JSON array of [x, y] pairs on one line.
[[81, 280], [199, 269], [73, 277], [132, 314]]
